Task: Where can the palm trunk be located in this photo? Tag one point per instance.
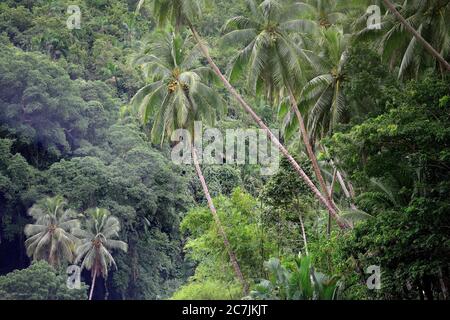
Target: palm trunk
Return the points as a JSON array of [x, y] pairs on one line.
[[349, 194], [311, 155], [419, 38], [303, 233], [93, 284], [331, 196], [231, 253], [302, 226], [270, 135]]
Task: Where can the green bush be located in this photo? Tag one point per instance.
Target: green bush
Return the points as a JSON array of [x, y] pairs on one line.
[[209, 290], [38, 282]]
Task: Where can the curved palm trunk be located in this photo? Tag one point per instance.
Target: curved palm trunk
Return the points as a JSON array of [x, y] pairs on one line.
[[419, 38], [270, 135], [93, 284], [230, 251]]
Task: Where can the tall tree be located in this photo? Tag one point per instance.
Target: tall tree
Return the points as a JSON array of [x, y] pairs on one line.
[[271, 56], [176, 97], [429, 44], [441, 11], [97, 240], [323, 95], [325, 12], [50, 238], [185, 12]]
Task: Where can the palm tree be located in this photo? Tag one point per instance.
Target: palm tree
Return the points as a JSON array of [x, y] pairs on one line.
[[97, 242], [185, 12], [50, 238], [176, 97], [324, 12], [433, 11], [322, 95], [271, 56], [425, 19]]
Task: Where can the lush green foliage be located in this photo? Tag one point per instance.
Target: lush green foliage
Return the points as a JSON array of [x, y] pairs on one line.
[[376, 107], [208, 290], [38, 282], [298, 281], [241, 217], [407, 197]]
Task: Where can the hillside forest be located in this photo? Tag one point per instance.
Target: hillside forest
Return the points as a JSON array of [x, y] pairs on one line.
[[352, 95]]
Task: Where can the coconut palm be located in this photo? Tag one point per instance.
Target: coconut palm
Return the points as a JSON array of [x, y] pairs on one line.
[[410, 31], [186, 12], [176, 97], [177, 93], [50, 238], [324, 12], [97, 242], [271, 56], [435, 25], [322, 95]]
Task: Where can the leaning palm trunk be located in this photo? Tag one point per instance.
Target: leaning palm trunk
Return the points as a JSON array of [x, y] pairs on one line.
[[270, 135], [417, 35], [311, 155], [230, 251], [349, 194], [93, 284]]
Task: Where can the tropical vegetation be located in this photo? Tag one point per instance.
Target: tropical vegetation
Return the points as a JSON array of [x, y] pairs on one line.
[[357, 105]]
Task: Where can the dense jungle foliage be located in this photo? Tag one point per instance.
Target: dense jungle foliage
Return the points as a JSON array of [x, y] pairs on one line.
[[86, 176]]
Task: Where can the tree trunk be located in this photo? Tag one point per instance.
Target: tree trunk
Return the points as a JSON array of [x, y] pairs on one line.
[[331, 196], [302, 226], [312, 157], [305, 242], [419, 38], [230, 251], [93, 284], [270, 135], [443, 286], [349, 194]]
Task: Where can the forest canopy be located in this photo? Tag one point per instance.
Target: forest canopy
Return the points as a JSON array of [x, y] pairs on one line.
[[353, 95]]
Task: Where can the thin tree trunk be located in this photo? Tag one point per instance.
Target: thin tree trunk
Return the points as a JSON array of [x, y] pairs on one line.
[[302, 226], [349, 194], [331, 196], [443, 286], [270, 135], [93, 284], [312, 157], [303, 233], [419, 38], [232, 255]]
